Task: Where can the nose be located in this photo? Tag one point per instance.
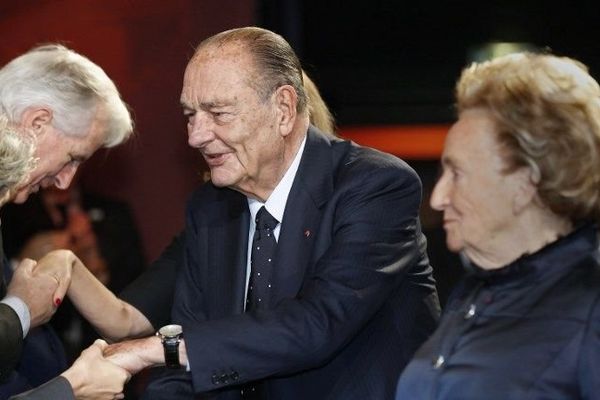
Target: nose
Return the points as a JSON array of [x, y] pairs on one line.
[[440, 195], [200, 130], [63, 179]]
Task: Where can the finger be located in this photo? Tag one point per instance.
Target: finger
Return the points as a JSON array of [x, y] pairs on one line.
[[61, 290], [101, 344], [27, 265], [119, 396]]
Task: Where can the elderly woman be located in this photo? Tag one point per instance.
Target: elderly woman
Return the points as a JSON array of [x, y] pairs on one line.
[[520, 195], [16, 159]]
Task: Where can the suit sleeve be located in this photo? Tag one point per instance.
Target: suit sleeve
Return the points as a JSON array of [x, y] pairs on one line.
[[56, 389], [11, 340], [373, 240]]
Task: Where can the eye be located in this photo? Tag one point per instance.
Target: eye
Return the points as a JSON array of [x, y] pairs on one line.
[[74, 161], [188, 115], [221, 117], [455, 174]]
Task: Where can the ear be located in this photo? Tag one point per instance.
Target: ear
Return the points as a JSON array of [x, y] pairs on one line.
[[286, 100], [37, 120], [525, 190]]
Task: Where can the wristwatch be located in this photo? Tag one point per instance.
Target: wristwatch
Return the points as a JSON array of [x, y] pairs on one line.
[[170, 336]]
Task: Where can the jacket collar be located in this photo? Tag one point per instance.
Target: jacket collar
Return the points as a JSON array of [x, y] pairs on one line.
[[555, 258]]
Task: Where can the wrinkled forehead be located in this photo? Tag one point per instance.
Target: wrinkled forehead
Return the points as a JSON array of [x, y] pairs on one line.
[[217, 69]]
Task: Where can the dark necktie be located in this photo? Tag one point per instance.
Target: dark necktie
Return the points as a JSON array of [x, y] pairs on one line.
[[261, 261]]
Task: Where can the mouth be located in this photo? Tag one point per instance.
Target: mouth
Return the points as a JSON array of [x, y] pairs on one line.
[[448, 222], [215, 159]]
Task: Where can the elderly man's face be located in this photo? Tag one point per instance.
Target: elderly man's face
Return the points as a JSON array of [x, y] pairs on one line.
[[474, 193], [233, 127], [58, 158]]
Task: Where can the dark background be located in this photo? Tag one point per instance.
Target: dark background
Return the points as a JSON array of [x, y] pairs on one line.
[[390, 62], [377, 63]]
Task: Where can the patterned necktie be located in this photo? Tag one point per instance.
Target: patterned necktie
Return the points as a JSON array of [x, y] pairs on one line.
[[261, 261]]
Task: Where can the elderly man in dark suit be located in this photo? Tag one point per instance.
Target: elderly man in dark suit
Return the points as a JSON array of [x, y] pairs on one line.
[[306, 275]]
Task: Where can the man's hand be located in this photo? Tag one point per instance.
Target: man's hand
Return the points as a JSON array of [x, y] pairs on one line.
[[135, 355], [94, 377], [36, 290]]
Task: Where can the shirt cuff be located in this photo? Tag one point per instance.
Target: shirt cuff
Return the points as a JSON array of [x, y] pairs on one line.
[[21, 309]]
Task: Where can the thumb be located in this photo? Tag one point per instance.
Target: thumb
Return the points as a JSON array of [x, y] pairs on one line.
[[61, 291], [101, 344], [26, 265]]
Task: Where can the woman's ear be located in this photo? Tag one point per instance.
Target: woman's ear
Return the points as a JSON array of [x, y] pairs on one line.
[[525, 192], [36, 120], [286, 100]]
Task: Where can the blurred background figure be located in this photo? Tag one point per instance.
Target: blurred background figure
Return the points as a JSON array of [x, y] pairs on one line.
[[320, 115], [100, 231], [520, 194]]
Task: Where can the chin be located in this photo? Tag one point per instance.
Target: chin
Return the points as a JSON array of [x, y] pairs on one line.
[[453, 243], [222, 178], [218, 182], [20, 198], [20, 195]]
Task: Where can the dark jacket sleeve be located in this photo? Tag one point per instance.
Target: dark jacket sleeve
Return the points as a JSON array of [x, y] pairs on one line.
[[11, 340], [56, 389]]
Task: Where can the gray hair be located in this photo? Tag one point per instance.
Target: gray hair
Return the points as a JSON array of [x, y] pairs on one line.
[[275, 60], [16, 156], [69, 84]]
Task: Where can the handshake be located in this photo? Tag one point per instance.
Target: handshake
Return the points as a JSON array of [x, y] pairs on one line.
[[101, 370]]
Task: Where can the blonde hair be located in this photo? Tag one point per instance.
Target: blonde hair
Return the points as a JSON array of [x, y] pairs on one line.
[[16, 157], [547, 111], [319, 113]]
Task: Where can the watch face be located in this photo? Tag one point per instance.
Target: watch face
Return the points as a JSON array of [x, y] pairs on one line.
[[170, 330]]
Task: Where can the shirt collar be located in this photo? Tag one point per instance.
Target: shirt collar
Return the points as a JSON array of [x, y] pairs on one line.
[[275, 204]]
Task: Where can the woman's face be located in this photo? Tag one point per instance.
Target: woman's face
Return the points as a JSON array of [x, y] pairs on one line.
[[475, 194]]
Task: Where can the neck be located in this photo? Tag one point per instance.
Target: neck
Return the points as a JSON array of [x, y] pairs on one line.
[[262, 187], [530, 232]]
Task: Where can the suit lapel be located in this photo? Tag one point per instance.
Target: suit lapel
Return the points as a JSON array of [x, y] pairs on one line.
[[311, 189], [223, 220], [227, 264]]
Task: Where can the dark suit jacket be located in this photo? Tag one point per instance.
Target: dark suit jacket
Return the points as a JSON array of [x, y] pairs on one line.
[[11, 340], [56, 389], [11, 332], [353, 296], [11, 346]]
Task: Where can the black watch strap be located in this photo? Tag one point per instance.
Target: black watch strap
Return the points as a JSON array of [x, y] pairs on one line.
[[171, 347]]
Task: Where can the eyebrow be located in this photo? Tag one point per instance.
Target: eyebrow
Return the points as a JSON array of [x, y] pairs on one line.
[[448, 162], [206, 105]]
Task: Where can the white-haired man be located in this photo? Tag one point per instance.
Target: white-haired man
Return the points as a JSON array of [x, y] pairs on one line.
[[63, 108]]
